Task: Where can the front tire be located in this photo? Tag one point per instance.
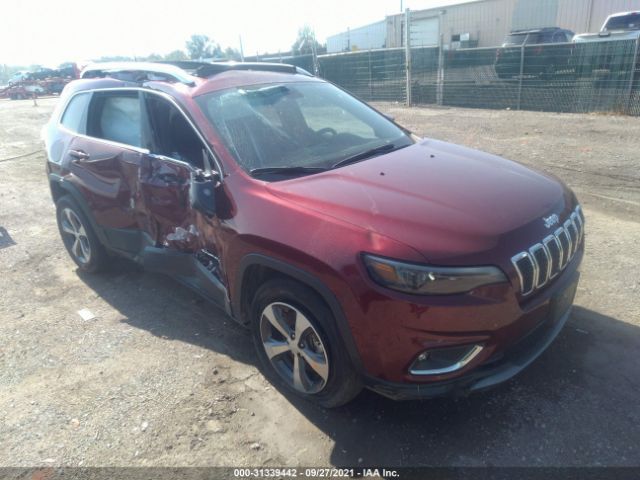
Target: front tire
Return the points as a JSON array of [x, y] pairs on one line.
[[298, 346], [78, 237]]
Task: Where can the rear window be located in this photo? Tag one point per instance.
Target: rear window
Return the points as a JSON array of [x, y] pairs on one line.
[[74, 116], [116, 117], [519, 38], [624, 22]]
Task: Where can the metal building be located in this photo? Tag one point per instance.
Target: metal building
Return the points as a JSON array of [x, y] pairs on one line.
[[368, 37], [482, 23]]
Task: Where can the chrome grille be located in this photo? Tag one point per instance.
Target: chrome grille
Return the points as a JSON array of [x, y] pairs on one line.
[[544, 261]]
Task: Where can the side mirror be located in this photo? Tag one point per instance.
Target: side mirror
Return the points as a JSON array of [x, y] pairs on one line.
[[202, 193]]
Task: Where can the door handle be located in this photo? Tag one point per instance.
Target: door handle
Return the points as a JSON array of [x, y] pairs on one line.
[[79, 155]]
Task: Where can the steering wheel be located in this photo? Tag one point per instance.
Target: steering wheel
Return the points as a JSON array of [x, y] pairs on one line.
[[323, 131]]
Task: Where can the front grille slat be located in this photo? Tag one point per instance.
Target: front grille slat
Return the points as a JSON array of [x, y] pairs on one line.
[[526, 271], [544, 261], [572, 232], [555, 253], [563, 237], [540, 256], [577, 221]]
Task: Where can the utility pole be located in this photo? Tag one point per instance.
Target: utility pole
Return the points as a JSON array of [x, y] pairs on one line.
[[407, 52], [632, 78], [440, 74], [241, 50], [521, 76]]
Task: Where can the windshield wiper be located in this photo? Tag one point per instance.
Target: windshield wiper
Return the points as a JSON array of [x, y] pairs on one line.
[[387, 147], [286, 170]]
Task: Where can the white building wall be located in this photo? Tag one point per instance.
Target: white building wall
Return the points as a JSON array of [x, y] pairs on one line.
[[368, 37], [603, 8], [488, 21]]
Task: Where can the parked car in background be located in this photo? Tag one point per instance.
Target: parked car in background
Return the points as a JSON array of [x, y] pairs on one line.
[[19, 77], [604, 57], [541, 59], [356, 252], [42, 81], [68, 70], [619, 26], [43, 73]]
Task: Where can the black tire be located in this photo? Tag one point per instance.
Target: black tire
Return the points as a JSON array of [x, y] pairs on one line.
[[97, 258], [343, 383]]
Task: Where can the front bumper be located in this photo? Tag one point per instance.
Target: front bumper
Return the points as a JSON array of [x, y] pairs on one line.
[[499, 368]]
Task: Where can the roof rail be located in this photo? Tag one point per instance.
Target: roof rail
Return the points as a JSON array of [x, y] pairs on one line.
[[186, 65], [138, 72], [536, 30], [210, 69], [179, 71]]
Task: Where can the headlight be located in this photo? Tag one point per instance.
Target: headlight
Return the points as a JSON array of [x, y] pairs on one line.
[[426, 280]]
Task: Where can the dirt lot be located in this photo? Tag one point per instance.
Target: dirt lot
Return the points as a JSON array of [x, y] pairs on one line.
[[162, 378]]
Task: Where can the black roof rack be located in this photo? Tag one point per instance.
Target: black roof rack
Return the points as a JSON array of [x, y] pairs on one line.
[[138, 72], [178, 71], [535, 30], [186, 65], [210, 69]]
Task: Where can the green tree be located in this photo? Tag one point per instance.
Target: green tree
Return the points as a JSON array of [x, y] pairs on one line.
[[176, 55], [201, 46], [6, 71], [232, 54], [306, 42]]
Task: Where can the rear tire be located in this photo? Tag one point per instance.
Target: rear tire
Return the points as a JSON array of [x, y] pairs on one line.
[[78, 236], [315, 365]]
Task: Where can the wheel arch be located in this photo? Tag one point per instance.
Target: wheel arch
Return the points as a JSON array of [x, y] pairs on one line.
[[256, 268], [60, 187]]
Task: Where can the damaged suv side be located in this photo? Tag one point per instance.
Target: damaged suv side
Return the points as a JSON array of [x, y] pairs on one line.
[[357, 253]]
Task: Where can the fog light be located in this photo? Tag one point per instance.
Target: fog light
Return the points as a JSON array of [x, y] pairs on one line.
[[444, 360]]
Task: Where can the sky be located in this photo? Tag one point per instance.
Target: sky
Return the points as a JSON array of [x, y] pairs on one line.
[[48, 32]]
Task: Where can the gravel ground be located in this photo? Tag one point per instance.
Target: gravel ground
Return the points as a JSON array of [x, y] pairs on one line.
[[160, 377]]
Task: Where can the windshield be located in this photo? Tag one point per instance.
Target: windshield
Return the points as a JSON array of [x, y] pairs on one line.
[[624, 22], [305, 126]]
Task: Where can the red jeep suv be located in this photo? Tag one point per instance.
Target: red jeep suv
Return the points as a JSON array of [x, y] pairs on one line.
[[357, 253]]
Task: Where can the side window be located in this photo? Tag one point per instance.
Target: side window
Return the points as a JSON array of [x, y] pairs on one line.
[[535, 39], [170, 134], [116, 117], [74, 117], [559, 37]]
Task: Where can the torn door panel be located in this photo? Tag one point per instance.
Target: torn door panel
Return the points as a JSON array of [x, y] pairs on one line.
[[183, 239], [164, 201]]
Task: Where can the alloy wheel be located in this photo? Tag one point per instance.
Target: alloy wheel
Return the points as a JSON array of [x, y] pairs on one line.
[[73, 228], [294, 348]]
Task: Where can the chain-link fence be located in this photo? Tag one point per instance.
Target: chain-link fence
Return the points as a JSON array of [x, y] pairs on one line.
[[374, 75], [562, 77], [601, 76]]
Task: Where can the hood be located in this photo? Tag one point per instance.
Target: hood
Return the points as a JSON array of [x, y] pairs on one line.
[[448, 202]]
